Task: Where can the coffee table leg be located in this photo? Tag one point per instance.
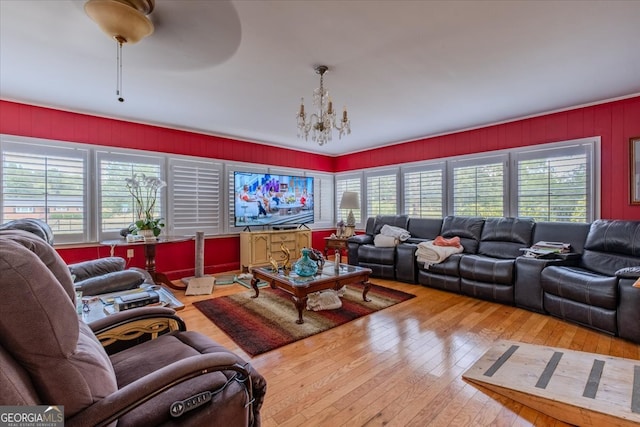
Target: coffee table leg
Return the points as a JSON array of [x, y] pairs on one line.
[[254, 285], [300, 304], [367, 286]]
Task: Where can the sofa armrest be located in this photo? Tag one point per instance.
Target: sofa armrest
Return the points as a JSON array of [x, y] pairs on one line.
[[96, 267], [629, 273], [129, 397], [527, 288], [361, 239], [570, 258], [130, 327], [110, 282]]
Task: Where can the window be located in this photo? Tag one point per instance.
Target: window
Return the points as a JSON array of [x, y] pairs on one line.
[[46, 182], [424, 191], [117, 206], [195, 192], [24, 209], [382, 193], [554, 184], [323, 199], [478, 186], [348, 183]]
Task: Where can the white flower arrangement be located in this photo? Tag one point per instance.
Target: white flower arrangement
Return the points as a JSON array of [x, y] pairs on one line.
[[144, 190]]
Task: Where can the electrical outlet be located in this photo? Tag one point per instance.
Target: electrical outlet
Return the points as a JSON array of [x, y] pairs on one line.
[[129, 253]]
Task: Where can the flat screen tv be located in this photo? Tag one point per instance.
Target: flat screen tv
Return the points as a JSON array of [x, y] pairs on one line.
[[276, 201]]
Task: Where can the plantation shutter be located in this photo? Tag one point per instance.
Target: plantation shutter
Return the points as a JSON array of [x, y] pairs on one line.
[[348, 183], [478, 187], [382, 194], [554, 184], [196, 195], [323, 200], [116, 205], [46, 183], [423, 192]]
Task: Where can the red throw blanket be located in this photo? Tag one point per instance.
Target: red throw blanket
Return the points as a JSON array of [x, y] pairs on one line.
[[441, 241]]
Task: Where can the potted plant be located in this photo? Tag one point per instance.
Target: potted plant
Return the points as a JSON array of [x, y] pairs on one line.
[[144, 190]]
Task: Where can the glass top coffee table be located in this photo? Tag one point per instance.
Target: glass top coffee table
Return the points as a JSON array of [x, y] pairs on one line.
[[300, 287]]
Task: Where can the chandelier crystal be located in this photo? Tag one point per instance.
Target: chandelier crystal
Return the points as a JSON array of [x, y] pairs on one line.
[[323, 120]]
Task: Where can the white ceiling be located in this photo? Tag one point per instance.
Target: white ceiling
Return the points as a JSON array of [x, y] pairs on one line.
[[404, 69]]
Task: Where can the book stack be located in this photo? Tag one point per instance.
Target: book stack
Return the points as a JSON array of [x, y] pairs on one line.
[[138, 299], [544, 249]]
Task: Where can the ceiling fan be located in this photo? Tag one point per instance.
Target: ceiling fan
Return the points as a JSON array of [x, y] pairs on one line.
[[125, 21], [186, 34]]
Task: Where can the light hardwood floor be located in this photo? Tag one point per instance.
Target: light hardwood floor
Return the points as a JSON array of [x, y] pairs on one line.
[[402, 366]]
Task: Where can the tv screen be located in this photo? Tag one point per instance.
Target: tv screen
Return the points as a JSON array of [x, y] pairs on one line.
[[263, 199]]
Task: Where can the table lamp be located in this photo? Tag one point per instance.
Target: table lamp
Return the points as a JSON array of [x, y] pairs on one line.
[[350, 200]]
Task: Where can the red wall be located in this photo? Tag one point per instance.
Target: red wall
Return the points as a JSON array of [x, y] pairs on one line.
[[615, 122]]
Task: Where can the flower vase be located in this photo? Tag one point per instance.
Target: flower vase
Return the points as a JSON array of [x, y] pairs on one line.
[[147, 234], [305, 266]]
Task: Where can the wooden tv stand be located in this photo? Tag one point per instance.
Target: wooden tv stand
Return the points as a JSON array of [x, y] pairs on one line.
[[257, 246]]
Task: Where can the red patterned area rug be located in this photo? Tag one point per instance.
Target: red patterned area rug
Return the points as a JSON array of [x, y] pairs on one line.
[[265, 323]]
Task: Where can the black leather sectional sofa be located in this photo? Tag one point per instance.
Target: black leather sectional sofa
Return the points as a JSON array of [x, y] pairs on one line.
[[591, 285]]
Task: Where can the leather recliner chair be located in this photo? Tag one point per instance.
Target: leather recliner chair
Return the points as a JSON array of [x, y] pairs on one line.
[[598, 292], [363, 252], [49, 356], [93, 277]]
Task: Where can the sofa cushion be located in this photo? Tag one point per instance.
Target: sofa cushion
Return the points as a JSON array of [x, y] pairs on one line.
[[469, 229], [583, 286], [448, 267], [32, 225], [485, 269], [504, 237], [394, 220], [611, 245], [424, 228]]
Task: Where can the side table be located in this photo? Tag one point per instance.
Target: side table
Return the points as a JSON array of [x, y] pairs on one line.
[[150, 257], [334, 243]]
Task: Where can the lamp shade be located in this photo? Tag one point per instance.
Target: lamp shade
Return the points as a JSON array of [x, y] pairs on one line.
[[350, 200], [125, 22]]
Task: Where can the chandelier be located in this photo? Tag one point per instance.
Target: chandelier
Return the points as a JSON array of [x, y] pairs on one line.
[[322, 122]]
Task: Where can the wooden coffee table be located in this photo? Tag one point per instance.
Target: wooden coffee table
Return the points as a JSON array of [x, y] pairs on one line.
[[300, 287]]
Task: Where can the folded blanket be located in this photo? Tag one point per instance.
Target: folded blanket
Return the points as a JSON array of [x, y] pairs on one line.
[[429, 253], [382, 241], [397, 232], [325, 300], [441, 241]]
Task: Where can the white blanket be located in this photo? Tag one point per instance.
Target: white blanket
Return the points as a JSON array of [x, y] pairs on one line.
[[428, 253], [325, 300], [397, 232], [382, 241]]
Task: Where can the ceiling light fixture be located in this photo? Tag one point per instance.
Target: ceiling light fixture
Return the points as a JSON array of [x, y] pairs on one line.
[[322, 122], [125, 21]]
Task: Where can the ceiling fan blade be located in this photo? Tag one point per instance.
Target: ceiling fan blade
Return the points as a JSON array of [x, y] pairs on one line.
[[189, 35]]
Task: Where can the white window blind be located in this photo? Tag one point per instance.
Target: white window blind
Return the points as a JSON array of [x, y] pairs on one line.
[[423, 192], [117, 206], [46, 183], [323, 200], [478, 187], [554, 184], [382, 194], [348, 183], [196, 197]]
